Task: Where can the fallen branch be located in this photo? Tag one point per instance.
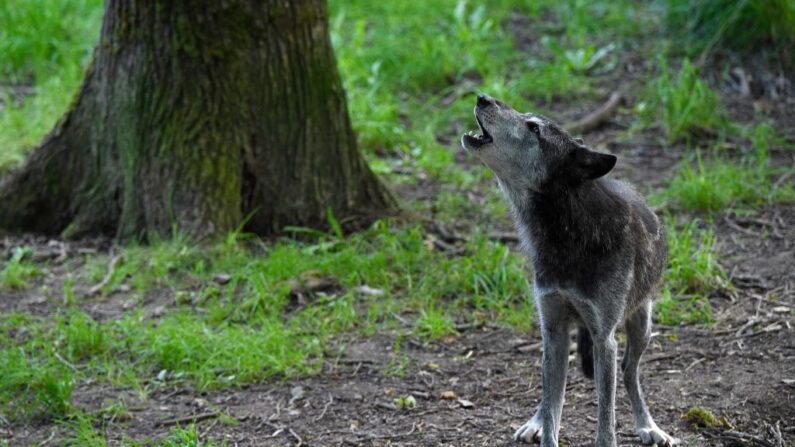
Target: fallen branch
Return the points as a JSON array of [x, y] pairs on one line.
[[598, 116], [192, 418], [737, 436], [736, 227], [108, 276]]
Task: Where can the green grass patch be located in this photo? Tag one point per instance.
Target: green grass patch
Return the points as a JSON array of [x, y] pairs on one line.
[[81, 432], [33, 385], [41, 38], [684, 105], [17, 271], [44, 47], [254, 326], [693, 274], [721, 182], [701, 26]]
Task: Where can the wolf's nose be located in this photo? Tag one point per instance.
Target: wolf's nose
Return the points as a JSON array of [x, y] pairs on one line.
[[484, 100]]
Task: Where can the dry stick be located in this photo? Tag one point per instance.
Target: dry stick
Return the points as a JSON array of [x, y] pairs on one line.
[[63, 360], [783, 178], [738, 436], [297, 438], [598, 116], [191, 418], [660, 357], [777, 303], [108, 276], [734, 225], [330, 401]]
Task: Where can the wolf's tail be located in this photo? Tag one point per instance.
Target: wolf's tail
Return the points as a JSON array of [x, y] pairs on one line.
[[585, 348]]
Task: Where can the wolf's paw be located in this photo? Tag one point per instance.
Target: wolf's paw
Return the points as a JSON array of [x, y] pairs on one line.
[[653, 435], [530, 432]]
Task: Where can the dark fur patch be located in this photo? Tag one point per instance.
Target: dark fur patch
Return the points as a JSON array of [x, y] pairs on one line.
[[577, 234], [585, 349]]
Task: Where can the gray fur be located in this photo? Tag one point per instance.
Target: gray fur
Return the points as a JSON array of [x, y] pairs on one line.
[[598, 253]]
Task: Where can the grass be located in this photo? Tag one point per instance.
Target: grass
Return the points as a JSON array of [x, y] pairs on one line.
[[684, 105], [253, 327], [693, 274], [741, 25], [722, 182], [83, 433], [17, 271], [45, 46]]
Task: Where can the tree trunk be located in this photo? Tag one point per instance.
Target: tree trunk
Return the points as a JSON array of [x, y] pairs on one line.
[[195, 115]]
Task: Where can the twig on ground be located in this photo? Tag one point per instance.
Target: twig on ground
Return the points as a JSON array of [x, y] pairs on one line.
[[694, 363], [598, 116], [192, 418], [391, 437], [783, 178], [325, 408], [736, 436], [65, 362], [297, 438], [776, 429], [737, 227], [660, 357], [208, 429], [108, 276], [49, 438], [525, 346]]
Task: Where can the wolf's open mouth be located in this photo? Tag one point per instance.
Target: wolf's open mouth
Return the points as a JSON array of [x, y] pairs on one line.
[[477, 141]]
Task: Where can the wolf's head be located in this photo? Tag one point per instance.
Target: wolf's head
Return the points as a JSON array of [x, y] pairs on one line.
[[527, 151]]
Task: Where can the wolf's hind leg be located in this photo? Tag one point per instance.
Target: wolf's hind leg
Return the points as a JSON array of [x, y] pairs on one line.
[[638, 328]]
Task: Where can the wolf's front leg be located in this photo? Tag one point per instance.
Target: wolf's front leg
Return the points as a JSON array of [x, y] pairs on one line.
[[605, 348], [545, 424]]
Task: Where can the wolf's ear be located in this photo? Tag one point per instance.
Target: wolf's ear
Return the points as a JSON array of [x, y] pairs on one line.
[[589, 165]]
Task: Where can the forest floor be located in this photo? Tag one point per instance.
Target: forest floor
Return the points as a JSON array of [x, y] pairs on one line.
[[477, 387], [470, 384]]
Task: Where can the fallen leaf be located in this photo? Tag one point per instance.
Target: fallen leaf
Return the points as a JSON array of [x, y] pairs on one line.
[[448, 395]]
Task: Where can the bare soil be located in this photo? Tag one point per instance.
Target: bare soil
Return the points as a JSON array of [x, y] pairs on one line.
[[735, 370]]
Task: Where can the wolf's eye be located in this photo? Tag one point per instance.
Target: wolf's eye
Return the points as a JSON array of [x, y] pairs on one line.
[[534, 127]]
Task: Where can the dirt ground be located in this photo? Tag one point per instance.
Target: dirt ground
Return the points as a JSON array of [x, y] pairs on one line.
[[738, 370]]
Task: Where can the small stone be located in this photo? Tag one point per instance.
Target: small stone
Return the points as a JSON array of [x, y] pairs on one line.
[[222, 278], [465, 403]]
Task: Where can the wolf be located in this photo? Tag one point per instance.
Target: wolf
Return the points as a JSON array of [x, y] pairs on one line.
[[598, 253]]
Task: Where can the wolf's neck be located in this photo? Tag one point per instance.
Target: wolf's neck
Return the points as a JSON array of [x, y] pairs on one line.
[[588, 217]]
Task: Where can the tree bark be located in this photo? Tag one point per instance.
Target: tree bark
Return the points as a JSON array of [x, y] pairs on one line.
[[195, 115]]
